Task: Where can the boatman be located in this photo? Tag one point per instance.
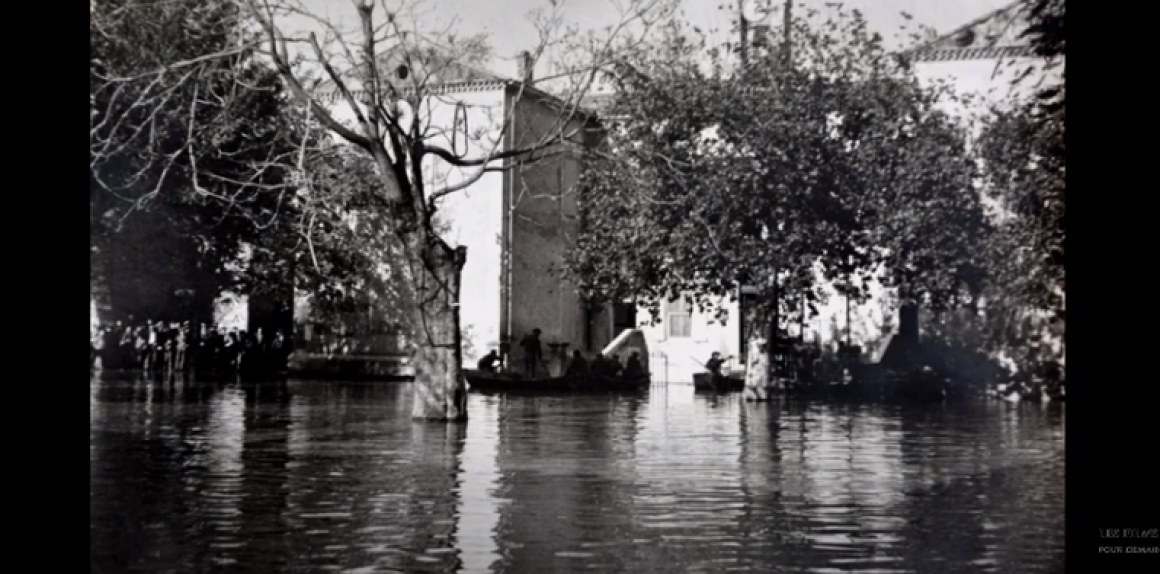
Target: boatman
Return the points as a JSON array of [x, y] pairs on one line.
[[714, 364], [488, 362]]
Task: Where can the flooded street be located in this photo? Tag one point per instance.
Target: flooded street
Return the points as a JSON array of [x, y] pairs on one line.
[[313, 477]]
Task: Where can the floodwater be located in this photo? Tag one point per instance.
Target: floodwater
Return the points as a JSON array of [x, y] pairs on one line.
[[332, 477]]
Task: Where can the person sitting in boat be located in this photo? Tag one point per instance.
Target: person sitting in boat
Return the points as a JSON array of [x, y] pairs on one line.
[[634, 368], [578, 367], [614, 366], [489, 361], [532, 352]]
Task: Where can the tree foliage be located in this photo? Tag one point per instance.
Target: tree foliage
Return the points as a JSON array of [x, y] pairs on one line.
[[841, 162], [203, 174], [1023, 150]]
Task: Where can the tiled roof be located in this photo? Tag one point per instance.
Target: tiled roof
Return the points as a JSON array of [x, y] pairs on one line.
[[998, 34]]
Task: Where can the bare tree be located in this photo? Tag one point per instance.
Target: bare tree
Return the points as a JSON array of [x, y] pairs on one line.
[[387, 73]]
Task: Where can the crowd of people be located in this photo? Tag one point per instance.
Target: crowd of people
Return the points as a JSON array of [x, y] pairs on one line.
[[602, 366], [495, 361], [174, 347]]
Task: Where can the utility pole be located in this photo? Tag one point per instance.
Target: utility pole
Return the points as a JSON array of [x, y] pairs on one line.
[[743, 28], [787, 31]]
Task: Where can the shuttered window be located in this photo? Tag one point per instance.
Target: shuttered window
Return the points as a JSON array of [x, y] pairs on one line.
[[678, 319]]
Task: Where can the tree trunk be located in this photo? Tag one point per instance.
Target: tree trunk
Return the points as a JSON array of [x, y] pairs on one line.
[[773, 334], [440, 392], [758, 386]]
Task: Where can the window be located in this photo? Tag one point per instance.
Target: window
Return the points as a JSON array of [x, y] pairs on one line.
[[678, 319]]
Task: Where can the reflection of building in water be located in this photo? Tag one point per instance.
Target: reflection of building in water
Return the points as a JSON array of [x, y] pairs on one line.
[[760, 463], [983, 487], [479, 476], [559, 466], [836, 462], [220, 491], [368, 488], [688, 452]]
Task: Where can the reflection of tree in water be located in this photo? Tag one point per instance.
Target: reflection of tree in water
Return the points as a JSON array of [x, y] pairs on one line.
[[984, 505], [761, 523], [370, 488], [142, 515], [560, 463], [265, 485]]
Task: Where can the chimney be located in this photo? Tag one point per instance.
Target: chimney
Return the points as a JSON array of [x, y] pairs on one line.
[[525, 67]]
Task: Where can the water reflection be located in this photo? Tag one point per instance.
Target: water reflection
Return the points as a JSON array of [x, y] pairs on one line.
[[274, 477]]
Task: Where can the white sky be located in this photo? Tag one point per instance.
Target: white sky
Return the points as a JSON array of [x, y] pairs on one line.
[[510, 31]]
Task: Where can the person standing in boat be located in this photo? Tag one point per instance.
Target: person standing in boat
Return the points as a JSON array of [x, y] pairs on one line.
[[533, 352], [489, 361]]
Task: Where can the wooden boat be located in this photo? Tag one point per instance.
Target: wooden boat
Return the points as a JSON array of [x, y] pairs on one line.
[[503, 382], [303, 365], [721, 384], [917, 385]]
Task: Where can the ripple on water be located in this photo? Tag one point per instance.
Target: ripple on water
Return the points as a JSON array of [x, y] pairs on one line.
[[336, 477]]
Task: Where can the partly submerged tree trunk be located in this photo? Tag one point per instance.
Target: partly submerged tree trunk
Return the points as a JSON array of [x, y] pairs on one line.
[[773, 335], [758, 383], [440, 391]]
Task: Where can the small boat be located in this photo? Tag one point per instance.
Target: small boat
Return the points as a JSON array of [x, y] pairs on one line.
[[639, 381], [921, 385], [717, 383], [507, 382]]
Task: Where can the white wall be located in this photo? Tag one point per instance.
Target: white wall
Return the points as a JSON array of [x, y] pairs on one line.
[[987, 82], [866, 320], [687, 355]]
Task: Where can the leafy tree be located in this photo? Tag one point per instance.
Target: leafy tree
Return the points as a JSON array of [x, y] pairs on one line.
[[152, 216], [839, 162], [204, 177], [1022, 151]]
